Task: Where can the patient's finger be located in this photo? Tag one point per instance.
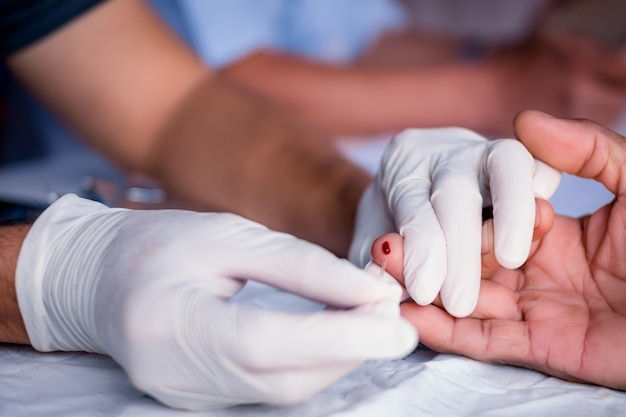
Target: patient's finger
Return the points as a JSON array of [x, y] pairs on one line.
[[494, 300], [544, 219], [389, 248], [487, 340]]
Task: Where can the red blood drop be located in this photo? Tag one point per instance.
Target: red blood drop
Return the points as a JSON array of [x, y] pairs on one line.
[[386, 248]]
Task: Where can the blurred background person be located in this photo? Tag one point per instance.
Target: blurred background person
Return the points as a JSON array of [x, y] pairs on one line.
[[364, 67]]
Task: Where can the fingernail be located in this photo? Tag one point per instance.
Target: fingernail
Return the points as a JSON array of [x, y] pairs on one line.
[[537, 216], [486, 236]]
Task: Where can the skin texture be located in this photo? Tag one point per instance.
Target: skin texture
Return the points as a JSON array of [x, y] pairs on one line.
[[562, 74], [12, 328], [564, 311]]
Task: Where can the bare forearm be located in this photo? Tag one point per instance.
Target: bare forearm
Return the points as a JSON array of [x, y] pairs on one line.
[[112, 76], [359, 100], [12, 328], [228, 150]]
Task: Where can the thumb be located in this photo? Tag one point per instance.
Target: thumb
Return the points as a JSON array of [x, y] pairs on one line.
[[579, 147]]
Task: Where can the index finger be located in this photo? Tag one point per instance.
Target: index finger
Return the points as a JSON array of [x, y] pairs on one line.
[[486, 340]]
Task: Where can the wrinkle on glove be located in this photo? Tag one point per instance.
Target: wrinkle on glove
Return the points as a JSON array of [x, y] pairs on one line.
[[151, 289]]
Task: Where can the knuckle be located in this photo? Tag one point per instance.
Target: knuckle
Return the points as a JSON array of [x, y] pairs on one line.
[[455, 182]]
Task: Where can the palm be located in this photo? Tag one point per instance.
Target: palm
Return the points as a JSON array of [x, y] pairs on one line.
[[570, 297], [562, 313]]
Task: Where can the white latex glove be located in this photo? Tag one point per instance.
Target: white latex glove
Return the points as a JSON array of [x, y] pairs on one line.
[[431, 187], [150, 289]]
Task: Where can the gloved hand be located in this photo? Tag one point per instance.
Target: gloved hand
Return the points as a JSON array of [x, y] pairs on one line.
[[151, 289], [431, 187]]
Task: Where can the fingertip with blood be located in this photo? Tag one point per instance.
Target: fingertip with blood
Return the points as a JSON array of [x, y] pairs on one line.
[[388, 249]]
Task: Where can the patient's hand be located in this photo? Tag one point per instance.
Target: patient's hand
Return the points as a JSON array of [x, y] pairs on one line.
[[564, 311], [389, 248]]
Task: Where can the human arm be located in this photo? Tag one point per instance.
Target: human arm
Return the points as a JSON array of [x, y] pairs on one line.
[[565, 74], [159, 110], [12, 328], [350, 99], [561, 312]]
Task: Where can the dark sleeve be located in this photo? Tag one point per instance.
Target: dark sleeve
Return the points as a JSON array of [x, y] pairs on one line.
[[23, 22]]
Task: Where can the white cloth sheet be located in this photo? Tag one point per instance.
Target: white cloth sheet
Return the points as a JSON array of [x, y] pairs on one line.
[[75, 384]]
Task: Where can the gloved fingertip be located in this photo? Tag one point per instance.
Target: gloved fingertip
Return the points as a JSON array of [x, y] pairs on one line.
[[461, 302], [421, 294], [546, 180], [512, 245], [510, 262], [424, 286], [461, 308]]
